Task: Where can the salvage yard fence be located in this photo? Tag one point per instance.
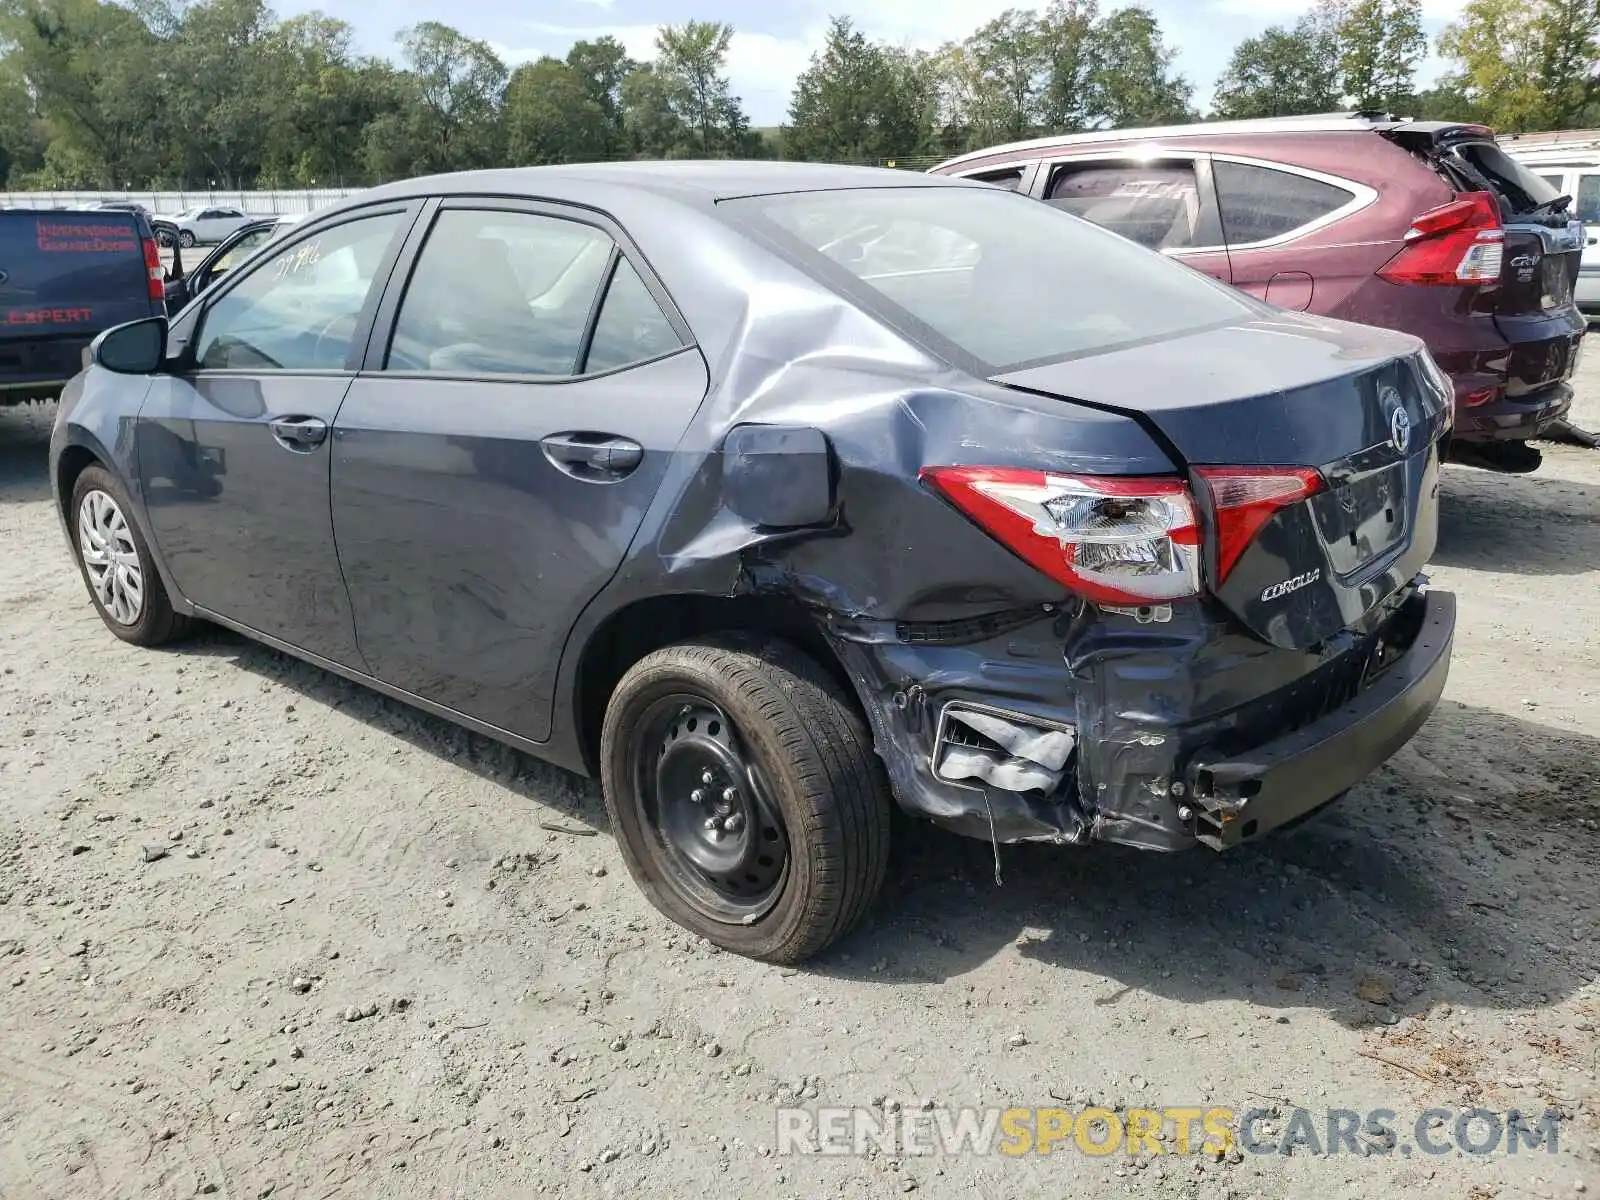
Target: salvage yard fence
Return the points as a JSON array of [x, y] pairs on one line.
[[285, 202]]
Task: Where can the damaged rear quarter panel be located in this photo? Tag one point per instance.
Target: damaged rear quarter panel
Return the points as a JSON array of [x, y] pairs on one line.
[[920, 606]]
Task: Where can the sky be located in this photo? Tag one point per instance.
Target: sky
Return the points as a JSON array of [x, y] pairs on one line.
[[774, 39]]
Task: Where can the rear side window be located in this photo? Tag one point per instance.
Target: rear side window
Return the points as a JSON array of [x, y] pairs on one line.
[[500, 293], [1010, 178], [1519, 188], [973, 273], [631, 327], [1262, 203], [1156, 205]]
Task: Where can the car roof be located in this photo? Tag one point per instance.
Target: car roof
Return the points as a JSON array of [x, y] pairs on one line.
[[1352, 122], [688, 180]]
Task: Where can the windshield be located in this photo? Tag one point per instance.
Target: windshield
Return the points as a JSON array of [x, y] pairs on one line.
[[1002, 279]]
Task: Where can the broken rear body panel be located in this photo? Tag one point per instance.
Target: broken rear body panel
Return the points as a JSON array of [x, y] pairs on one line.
[[799, 481]]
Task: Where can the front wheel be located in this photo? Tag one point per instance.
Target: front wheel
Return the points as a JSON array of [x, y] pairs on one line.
[[115, 560], [745, 795], [186, 240]]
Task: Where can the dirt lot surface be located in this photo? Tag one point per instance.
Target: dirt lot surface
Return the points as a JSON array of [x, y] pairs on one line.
[[265, 933]]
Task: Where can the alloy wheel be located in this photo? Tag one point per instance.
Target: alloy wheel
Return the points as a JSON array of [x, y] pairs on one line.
[[110, 558]]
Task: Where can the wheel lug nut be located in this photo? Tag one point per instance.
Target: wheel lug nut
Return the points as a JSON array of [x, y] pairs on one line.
[[729, 795], [734, 823], [698, 796], [707, 778], [712, 824]]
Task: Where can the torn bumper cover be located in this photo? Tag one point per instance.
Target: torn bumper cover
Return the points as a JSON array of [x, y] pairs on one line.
[[1158, 736]]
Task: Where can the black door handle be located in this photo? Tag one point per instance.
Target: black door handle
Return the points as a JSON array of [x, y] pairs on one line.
[[596, 456], [298, 433]]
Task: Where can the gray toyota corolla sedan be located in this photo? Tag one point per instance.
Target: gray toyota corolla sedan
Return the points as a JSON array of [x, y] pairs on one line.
[[774, 494]]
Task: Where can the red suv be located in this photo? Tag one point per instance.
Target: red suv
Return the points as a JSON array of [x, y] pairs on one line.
[[1423, 226]]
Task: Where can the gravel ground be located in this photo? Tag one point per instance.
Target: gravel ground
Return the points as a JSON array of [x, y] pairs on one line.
[[265, 933]]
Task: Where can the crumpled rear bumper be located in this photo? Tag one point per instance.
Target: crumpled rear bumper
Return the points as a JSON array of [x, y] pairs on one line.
[[1242, 796], [1175, 734]]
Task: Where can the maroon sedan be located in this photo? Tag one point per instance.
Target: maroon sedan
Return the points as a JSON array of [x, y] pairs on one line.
[[1422, 226]]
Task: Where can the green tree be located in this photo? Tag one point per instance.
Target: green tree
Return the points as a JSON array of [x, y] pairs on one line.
[[458, 86], [93, 72], [1011, 57], [1522, 65], [650, 115], [601, 66], [692, 58], [23, 134], [1568, 36], [1133, 80], [1283, 72], [1069, 32], [552, 117], [1382, 44], [858, 100]]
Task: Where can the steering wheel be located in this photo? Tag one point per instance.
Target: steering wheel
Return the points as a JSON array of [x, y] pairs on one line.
[[326, 333]]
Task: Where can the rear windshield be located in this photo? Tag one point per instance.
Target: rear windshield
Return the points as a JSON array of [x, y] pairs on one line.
[[1518, 187], [1002, 279]]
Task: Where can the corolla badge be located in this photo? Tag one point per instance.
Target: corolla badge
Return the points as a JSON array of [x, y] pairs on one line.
[[1293, 584]]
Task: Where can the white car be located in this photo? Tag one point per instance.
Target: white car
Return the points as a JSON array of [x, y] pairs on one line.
[[210, 223]]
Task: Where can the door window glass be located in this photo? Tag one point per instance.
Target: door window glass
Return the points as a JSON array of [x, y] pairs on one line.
[[500, 293], [1259, 203], [1155, 204], [631, 327], [298, 309], [1010, 178], [1588, 199]]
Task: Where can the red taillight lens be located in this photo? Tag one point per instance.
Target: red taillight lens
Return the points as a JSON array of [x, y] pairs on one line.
[[1120, 541], [152, 262], [1462, 242], [1245, 499]]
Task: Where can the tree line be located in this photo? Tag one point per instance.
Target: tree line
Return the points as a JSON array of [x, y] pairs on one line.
[[223, 93]]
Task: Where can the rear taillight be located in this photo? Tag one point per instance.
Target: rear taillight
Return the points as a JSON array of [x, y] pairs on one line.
[[152, 262], [1245, 498], [1462, 242], [1118, 541]]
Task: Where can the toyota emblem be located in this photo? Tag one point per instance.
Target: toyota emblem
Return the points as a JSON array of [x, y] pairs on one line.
[[1399, 430]]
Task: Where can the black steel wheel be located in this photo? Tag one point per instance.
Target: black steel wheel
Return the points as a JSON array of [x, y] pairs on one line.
[[745, 795], [706, 807]]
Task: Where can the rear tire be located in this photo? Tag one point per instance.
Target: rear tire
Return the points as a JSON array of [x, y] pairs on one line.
[[116, 563], [792, 763]]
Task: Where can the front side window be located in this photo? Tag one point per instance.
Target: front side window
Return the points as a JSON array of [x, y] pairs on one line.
[[500, 293], [298, 309], [1154, 204], [1261, 203], [996, 277]]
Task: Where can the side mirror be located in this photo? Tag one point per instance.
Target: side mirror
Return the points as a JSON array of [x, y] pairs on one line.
[[137, 348]]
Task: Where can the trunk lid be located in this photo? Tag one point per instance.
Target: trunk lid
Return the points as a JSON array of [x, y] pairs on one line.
[[1359, 405]]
